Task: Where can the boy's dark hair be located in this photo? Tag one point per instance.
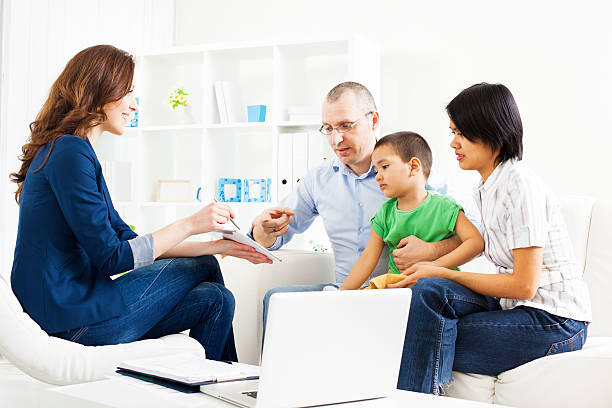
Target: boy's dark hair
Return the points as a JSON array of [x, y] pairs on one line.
[[488, 113], [409, 145]]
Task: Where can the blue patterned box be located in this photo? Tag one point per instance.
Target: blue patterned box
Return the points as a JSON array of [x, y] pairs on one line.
[[229, 190], [257, 190]]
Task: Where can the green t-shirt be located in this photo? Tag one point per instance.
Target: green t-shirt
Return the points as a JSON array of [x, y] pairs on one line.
[[432, 221]]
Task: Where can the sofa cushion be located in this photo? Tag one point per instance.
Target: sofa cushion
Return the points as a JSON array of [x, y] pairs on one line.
[[18, 389], [57, 361], [475, 387], [598, 271], [579, 378]]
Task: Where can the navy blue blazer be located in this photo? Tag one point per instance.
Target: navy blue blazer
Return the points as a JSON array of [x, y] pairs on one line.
[[70, 240]]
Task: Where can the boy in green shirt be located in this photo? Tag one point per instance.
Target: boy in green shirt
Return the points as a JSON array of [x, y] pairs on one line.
[[402, 162]]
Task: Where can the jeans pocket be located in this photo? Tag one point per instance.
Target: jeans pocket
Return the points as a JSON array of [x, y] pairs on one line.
[[573, 343]]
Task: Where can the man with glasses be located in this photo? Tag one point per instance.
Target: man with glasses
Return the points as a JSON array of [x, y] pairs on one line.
[[344, 193]]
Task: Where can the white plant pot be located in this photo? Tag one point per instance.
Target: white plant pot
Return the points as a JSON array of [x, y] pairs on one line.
[[182, 115]]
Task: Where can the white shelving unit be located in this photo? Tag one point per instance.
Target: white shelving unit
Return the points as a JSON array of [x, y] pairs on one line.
[[199, 147]]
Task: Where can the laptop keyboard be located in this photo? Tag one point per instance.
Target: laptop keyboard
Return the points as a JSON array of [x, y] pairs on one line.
[[252, 394]]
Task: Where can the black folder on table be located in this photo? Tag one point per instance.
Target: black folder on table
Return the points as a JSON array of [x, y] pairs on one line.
[[186, 372]]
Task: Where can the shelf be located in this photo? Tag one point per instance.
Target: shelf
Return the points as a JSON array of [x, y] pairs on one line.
[[190, 126], [156, 204], [240, 125], [196, 146], [287, 123], [171, 204], [159, 204]]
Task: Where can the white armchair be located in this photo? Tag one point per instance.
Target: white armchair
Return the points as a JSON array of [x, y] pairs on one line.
[[26, 348]]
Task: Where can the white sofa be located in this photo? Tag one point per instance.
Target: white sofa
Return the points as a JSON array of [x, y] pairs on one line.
[[569, 379], [556, 381]]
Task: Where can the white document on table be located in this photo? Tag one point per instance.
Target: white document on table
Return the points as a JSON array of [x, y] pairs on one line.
[[185, 368], [238, 236]]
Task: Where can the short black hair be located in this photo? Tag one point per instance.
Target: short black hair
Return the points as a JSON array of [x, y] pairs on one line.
[[363, 94], [488, 113], [409, 145]]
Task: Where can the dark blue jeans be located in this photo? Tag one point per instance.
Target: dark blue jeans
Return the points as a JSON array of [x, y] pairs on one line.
[[453, 328], [167, 297]]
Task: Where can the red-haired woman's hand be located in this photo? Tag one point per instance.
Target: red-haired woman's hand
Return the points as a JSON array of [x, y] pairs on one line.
[[212, 217], [232, 248]]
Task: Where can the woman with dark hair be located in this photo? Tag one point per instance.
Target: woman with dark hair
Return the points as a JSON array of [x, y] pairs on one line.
[[537, 303], [71, 240]]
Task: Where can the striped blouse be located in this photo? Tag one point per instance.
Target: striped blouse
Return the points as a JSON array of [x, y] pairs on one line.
[[519, 211]]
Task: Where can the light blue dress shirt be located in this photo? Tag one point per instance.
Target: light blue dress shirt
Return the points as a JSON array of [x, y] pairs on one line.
[[346, 203]]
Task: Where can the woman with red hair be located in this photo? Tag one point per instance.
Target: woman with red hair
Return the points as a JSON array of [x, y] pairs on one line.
[[71, 240]]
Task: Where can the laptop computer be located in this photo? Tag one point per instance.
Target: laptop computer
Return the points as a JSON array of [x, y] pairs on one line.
[[326, 348]]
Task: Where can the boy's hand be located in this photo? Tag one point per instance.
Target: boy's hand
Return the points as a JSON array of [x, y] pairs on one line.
[[411, 250]]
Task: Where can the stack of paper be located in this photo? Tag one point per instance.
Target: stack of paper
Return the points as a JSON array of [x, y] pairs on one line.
[[188, 369]]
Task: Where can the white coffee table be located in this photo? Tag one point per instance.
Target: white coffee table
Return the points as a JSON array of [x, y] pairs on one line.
[[119, 392]]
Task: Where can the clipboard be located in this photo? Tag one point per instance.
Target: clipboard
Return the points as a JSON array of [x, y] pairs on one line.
[[185, 372], [240, 237]]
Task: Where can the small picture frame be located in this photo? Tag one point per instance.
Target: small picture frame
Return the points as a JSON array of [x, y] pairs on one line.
[[257, 190], [229, 190], [173, 191]]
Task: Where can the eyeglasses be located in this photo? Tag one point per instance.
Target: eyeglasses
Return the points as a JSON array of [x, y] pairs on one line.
[[343, 128]]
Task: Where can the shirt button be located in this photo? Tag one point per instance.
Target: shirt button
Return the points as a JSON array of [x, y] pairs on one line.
[[360, 229], [361, 204]]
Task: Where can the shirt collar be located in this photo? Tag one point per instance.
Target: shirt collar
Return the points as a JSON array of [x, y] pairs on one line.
[[337, 165], [495, 177]]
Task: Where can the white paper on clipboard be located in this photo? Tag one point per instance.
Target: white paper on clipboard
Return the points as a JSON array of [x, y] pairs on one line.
[[238, 236]]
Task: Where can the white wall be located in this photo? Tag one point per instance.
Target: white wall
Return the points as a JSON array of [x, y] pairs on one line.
[[555, 56], [3, 168]]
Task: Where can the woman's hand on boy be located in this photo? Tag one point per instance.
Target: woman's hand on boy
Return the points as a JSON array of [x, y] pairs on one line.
[[411, 250], [418, 271]]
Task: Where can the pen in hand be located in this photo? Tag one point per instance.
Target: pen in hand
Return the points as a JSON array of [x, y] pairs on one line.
[[230, 218]]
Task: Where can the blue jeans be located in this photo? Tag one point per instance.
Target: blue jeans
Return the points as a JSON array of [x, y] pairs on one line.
[[453, 328], [283, 289], [170, 296]]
